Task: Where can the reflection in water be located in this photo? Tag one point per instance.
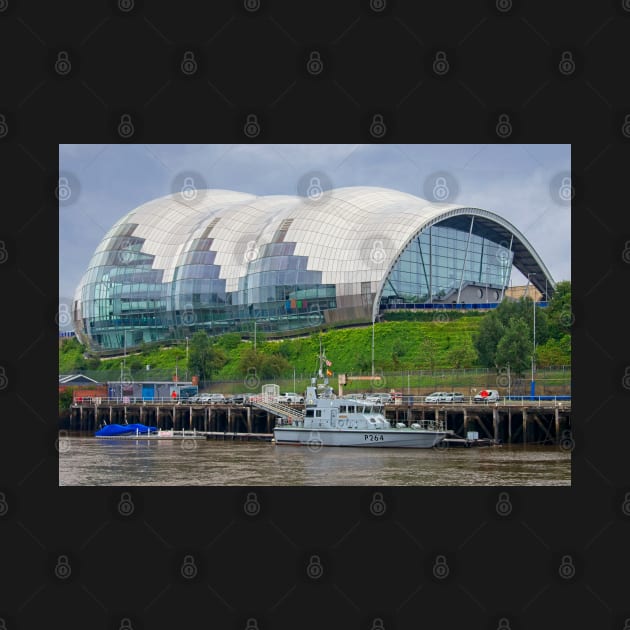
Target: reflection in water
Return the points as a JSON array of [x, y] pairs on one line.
[[90, 461]]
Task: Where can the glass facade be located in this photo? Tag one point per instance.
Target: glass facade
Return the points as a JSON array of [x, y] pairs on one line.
[[443, 263], [224, 260]]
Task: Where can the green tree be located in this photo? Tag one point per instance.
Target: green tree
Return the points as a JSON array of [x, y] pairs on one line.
[[65, 398], [487, 339], [559, 311], [204, 357], [515, 347], [555, 352], [461, 357]]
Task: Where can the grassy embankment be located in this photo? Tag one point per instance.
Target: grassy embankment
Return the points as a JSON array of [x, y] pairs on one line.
[[440, 347]]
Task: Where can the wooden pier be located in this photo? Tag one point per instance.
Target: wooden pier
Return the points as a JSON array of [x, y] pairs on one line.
[[544, 422]]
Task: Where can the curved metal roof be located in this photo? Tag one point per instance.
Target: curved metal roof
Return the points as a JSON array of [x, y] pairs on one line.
[[351, 235]]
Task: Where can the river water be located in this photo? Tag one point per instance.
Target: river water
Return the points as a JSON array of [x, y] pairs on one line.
[[94, 462]]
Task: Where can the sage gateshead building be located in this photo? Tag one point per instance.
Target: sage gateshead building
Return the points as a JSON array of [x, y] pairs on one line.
[[224, 261]]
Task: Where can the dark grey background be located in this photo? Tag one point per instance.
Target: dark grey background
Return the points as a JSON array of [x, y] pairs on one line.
[[375, 571]]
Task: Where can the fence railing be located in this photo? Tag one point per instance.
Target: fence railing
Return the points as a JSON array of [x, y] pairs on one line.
[[398, 400]]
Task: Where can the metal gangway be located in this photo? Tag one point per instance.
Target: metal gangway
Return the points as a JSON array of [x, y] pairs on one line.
[[268, 403]]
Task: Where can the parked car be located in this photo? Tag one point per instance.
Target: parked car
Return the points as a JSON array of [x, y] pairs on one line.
[[437, 397], [487, 395], [208, 398], [380, 398], [291, 397], [239, 399], [457, 397]]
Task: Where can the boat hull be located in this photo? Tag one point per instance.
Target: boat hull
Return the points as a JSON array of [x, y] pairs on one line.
[[394, 438]]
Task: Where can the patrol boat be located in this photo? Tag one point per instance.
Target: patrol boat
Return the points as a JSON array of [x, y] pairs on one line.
[[328, 420]]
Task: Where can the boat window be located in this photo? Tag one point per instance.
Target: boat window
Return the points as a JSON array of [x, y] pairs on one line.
[[350, 408], [309, 413], [342, 409], [318, 413]]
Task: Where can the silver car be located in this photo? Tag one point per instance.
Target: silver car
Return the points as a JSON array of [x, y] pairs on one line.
[[438, 397]]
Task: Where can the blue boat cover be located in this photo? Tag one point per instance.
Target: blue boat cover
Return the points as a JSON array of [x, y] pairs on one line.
[[125, 429]]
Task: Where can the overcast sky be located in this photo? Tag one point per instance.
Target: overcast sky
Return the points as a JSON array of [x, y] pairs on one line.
[[529, 185]]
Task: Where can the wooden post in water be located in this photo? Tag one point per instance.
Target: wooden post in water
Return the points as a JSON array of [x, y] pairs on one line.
[[509, 425], [268, 422], [465, 421], [141, 413], [495, 423], [110, 414], [205, 420], [249, 419], [157, 417], [190, 417], [524, 425], [557, 425], [229, 419]]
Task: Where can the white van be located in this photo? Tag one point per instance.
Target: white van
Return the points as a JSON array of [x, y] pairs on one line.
[[487, 395]]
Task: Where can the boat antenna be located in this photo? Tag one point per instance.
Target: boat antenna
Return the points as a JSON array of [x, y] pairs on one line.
[[321, 357]]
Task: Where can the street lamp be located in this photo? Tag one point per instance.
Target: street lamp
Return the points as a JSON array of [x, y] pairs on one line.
[[186, 359], [532, 391], [373, 346]]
